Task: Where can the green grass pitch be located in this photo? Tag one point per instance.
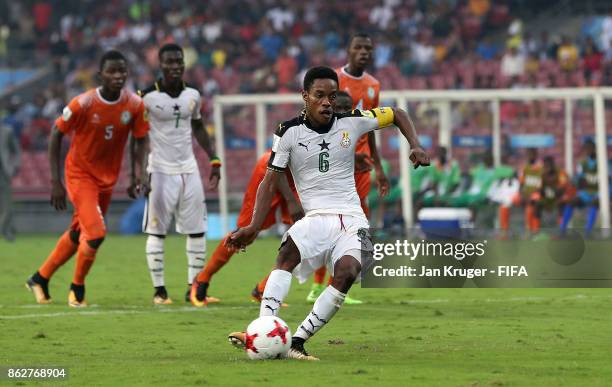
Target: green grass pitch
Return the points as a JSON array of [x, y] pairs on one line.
[[420, 337]]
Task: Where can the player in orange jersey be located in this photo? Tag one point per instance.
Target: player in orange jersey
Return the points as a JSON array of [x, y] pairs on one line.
[[100, 121], [364, 89], [286, 199]]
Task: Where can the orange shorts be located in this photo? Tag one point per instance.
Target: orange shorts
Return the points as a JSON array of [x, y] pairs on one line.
[[90, 206], [363, 185], [248, 205]]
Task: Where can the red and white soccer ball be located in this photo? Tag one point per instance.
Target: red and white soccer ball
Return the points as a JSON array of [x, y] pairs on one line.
[[267, 337]]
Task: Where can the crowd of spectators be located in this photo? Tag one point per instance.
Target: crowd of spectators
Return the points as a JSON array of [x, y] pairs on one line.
[[264, 46]]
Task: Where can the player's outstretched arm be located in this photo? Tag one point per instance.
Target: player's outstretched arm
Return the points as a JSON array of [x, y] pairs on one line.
[[58, 192], [402, 120], [138, 179], [202, 137], [244, 236]]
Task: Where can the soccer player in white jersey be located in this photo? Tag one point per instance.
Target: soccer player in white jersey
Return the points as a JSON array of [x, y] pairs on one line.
[[319, 149], [174, 114]]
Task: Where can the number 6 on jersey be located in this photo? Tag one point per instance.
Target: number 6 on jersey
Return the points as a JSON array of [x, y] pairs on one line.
[[323, 163]]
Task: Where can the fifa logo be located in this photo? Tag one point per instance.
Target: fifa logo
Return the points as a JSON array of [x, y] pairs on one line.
[[346, 141]]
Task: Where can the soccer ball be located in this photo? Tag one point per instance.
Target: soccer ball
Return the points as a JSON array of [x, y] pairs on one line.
[[267, 337]]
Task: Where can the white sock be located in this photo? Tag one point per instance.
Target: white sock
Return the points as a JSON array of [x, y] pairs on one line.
[[326, 306], [154, 250], [275, 292], [196, 256]]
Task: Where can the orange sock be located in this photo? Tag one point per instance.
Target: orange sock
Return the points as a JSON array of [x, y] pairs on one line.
[[219, 258], [504, 217], [529, 217], [262, 285], [534, 220], [64, 249], [319, 275], [535, 224], [85, 258]]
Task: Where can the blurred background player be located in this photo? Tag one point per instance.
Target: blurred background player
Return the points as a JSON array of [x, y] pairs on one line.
[[483, 188], [285, 198], [555, 186], [530, 178], [587, 185], [364, 90], [100, 121], [445, 176], [176, 187]]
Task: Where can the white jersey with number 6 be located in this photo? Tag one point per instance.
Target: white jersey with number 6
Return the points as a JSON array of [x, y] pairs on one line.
[[322, 160]]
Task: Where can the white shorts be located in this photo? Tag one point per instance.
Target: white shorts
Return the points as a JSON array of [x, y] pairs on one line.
[[324, 239], [181, 196]]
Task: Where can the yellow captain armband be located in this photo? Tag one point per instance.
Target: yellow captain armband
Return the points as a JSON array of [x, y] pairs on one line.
[[384, 116]]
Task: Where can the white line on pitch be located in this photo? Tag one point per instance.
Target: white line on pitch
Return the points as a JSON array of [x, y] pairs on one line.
[[185, 309], [188, 309]]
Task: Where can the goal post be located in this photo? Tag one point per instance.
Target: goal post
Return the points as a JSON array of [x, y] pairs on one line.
[[442, 100]]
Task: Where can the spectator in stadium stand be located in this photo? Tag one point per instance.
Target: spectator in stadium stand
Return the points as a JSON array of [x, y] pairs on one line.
[[286, 68], [423, 55], [59, 55], [12, 118], [605, 36], [607, 54], [479, 7], [546, 47], [567, 54], [532, 65], [406, 64], [10, 153], [270, 42], [513, 63], [381, 15], [383, 53], [591, 57], [486, 49], [281, 17], [515, 34]]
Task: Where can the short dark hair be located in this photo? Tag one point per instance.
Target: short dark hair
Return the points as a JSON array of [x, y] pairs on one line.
[[359, 35], [319, 72], [589, 142], [111, 55], [168, 47]]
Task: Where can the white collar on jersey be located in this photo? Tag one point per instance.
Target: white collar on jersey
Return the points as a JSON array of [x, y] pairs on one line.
[[107, 101], [352, 76]]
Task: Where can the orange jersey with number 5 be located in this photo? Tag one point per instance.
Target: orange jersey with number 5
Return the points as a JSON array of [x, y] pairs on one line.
[[99, 131], [364, 91]]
